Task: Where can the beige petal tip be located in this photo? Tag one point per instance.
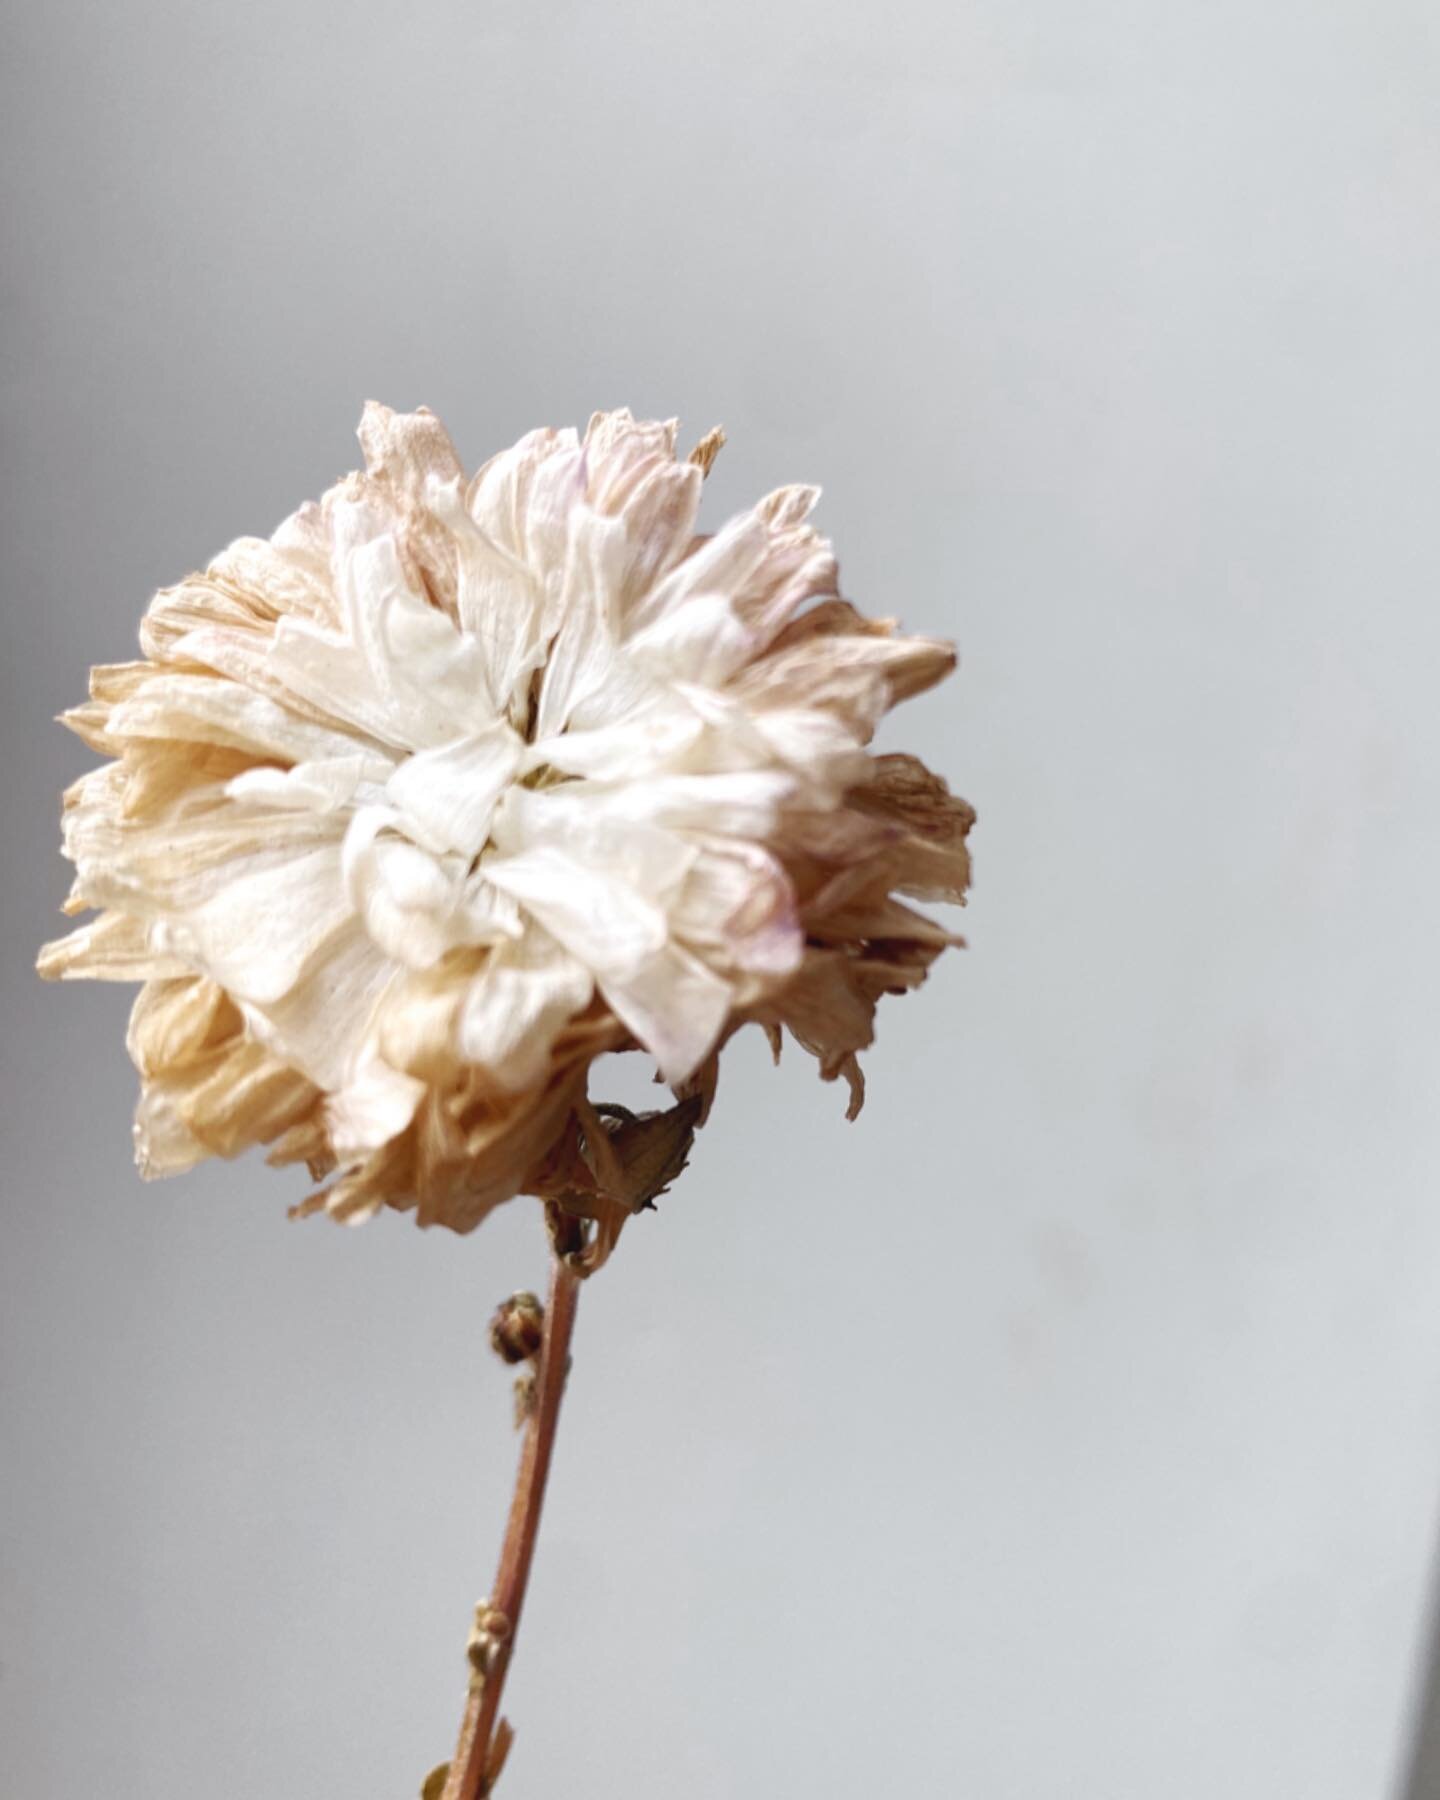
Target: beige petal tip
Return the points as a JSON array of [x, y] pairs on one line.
[[704, 454]]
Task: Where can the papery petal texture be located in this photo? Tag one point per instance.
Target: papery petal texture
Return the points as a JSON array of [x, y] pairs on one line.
[[455, 784]]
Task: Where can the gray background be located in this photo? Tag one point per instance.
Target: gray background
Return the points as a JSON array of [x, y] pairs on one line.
[[1067, 1427]]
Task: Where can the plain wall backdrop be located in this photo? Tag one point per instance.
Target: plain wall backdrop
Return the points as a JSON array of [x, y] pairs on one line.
[[1065, 1429]]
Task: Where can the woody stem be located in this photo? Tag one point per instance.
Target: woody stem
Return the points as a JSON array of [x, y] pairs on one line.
[[472, 1771]]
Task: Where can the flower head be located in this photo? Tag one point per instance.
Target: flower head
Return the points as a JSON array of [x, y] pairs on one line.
[[451, 786]]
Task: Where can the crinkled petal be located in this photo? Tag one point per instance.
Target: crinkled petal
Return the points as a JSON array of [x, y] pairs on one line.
[[406, 898], [256, 932], [375, 1105], [324, 785], [599, 919], [446, 796], [499, 604], [674, 1005], [114, 947], [516, 1006]]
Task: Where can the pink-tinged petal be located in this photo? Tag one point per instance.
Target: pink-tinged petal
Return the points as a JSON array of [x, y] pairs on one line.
[[738, 910], [633, 475]]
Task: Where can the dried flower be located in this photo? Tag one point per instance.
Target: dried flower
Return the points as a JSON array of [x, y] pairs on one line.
[[449, 787]]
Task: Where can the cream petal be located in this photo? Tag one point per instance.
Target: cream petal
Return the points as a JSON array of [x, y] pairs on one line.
[[618, 447], [485, 915], [633, 474], [645, 858], [699, 639], [282, 575], [817, 746], [406, 453], [429, 676], [659, 734], [164, 1143], [327, 1011], [556, 488], [327, 672], [800, 564], [407, 900], [499, 497], [434, 671], [659, 520], [375, 1105], [517, 1005], [303, 537], [599, 919], [114, 947], [745, 803], [625, 693], [401, 672], [858, 677], [165, 867], [723, 564], [181, 1023], [205, 709], [738, 803], [406, 449], [584, 649], [768, 561], [320, 786], [499, 604], [256, 932], [675, 1006], [731, 742], [245, 658], [448, 794]]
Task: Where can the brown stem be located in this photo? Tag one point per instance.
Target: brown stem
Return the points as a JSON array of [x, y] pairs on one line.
[[472, 1772]]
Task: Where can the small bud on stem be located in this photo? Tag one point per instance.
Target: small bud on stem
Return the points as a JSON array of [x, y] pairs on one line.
[[517, 1329]]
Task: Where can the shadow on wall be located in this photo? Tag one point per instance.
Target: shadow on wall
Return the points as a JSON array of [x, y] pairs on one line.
[[1420, 1776]]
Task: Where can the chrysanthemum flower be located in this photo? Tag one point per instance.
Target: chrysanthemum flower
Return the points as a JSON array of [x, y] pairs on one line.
[[452, 786]]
